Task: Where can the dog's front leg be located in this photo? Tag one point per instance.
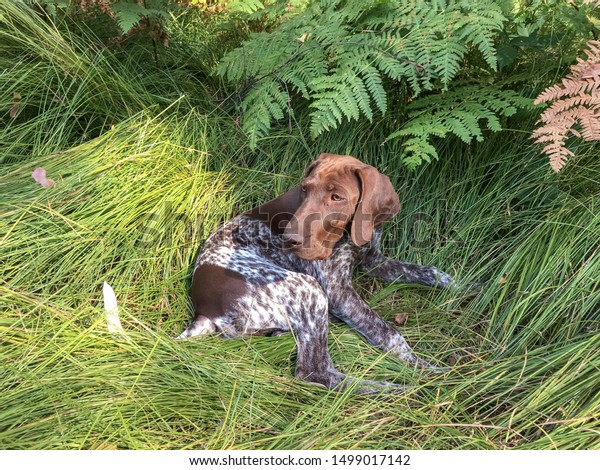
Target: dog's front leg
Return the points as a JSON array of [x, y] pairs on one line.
[[348, 306], [313, 363], [375, 264]]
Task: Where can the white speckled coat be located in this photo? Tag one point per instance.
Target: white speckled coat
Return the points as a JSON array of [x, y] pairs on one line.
[[248, 281]]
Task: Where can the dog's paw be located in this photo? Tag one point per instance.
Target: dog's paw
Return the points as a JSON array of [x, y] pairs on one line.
[[435, 370], [468, 288], [474, 287], [374, 389]]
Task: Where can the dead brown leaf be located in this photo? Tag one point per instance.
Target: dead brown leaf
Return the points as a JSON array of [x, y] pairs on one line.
[[16, 104]]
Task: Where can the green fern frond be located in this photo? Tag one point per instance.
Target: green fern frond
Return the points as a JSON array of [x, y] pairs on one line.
[[334, 98], [463, 112], [127, 15], [312, 64], [374, 84], [245, 6], [262, 105], [417, 150], [447, 60], [480, 33], [341, 57]]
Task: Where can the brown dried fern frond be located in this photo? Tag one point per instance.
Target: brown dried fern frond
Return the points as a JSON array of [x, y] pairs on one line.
[[574, 109]]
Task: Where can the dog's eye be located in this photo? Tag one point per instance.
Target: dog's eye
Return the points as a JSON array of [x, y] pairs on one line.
[[336, 197], [303, 189]]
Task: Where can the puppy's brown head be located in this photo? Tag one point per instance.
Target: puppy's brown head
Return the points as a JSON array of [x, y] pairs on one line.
[[339, 193]]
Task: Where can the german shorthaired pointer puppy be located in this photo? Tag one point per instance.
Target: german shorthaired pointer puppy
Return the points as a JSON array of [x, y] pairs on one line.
[[287, 265]]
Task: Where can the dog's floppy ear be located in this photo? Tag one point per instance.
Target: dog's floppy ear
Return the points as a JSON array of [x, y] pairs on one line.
[[378, 203]]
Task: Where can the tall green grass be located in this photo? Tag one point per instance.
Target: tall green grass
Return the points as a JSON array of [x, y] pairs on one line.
[[136, 195]]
